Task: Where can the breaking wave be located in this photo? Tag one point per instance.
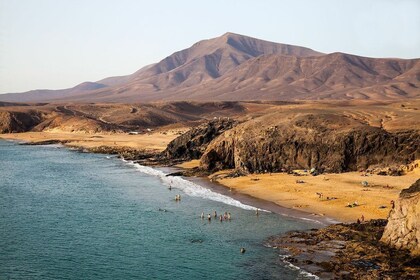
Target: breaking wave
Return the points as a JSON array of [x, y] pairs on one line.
[[188, 187]]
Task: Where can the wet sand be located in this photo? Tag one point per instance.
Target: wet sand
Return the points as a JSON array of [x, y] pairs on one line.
[[262, 204]]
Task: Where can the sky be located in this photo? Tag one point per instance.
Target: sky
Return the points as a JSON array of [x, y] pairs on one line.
[[53, 44]]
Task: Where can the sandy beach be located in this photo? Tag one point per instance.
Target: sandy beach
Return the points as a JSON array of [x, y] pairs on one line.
[[338, 191], [156, 141], [295, 192]]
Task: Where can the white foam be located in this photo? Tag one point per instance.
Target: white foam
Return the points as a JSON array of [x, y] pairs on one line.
[[302, 272], [190, 188]]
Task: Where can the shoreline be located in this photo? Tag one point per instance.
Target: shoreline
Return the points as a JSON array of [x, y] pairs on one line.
[[292, 241], [277, 192], [205, 182], [256, 202], [338, 191]]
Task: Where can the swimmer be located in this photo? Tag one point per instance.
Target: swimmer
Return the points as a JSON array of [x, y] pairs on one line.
[[257, 212], [202, 215], [221, 218], [170, 187], [215, 214], [209, 217], [228, 216]]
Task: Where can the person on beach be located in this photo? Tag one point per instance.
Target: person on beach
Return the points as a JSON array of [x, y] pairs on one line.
[[362, 218]]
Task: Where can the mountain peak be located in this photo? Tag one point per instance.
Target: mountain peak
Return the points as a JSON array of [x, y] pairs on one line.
[[237, 67]]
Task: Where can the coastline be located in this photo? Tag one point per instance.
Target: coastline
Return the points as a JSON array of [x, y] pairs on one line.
[[256, 202], [338, 191], [278, 192], [289, 243], [203, 181]]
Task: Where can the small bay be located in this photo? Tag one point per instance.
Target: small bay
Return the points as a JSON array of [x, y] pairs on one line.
[[72, 215]]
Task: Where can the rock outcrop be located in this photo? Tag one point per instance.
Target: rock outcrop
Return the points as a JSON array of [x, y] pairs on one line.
[[192, 144], [11, 122], [403, 229], [327, 142], [346, 251]]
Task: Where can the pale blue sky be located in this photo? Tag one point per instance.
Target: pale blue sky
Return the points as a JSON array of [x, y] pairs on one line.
[[61, 43]]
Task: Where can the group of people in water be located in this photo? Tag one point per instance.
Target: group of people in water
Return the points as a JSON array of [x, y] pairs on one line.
[[225, 217]]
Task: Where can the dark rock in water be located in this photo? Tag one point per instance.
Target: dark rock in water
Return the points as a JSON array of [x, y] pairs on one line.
[[46, 142], [179, 173], [346, 251], [197, 241], [403, 229]]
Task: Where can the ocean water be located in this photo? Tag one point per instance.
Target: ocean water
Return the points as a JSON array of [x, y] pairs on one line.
[[71, 215]]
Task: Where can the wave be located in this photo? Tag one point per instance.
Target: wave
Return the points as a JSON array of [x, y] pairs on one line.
[[189, 187], [302, 272]]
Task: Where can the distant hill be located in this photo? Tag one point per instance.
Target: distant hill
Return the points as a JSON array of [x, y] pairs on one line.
[[236, 67]]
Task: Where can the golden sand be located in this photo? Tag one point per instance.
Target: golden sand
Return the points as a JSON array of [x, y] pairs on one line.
[[151, 141], [338, 190], [298, 192]]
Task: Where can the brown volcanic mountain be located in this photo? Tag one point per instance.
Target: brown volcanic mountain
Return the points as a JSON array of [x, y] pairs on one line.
[[236, 67]]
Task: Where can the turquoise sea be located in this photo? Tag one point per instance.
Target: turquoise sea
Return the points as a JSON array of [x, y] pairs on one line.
[[72, 215]]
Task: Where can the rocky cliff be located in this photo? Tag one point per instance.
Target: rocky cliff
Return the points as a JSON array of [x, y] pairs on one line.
[[327, 142], [192, 144], [403, 228], [11, 122]]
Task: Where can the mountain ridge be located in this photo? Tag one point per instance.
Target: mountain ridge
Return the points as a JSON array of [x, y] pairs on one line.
[[236, 67]]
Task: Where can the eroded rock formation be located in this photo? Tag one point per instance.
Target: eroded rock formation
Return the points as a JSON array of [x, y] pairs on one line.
[[403, 228], [327, 142], [11, 122], [192, 144]]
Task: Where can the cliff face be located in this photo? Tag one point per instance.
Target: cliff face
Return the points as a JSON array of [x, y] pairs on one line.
[[11, 122], [331, 143], [192, 144], [403, 228]]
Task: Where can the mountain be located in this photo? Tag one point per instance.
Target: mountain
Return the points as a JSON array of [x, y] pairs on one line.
[[236, 67]]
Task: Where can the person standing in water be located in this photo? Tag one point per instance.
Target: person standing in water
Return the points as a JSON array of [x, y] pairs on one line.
[[215, 214], [209, 217], [228, 216], [202, 215], [257, 212]]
